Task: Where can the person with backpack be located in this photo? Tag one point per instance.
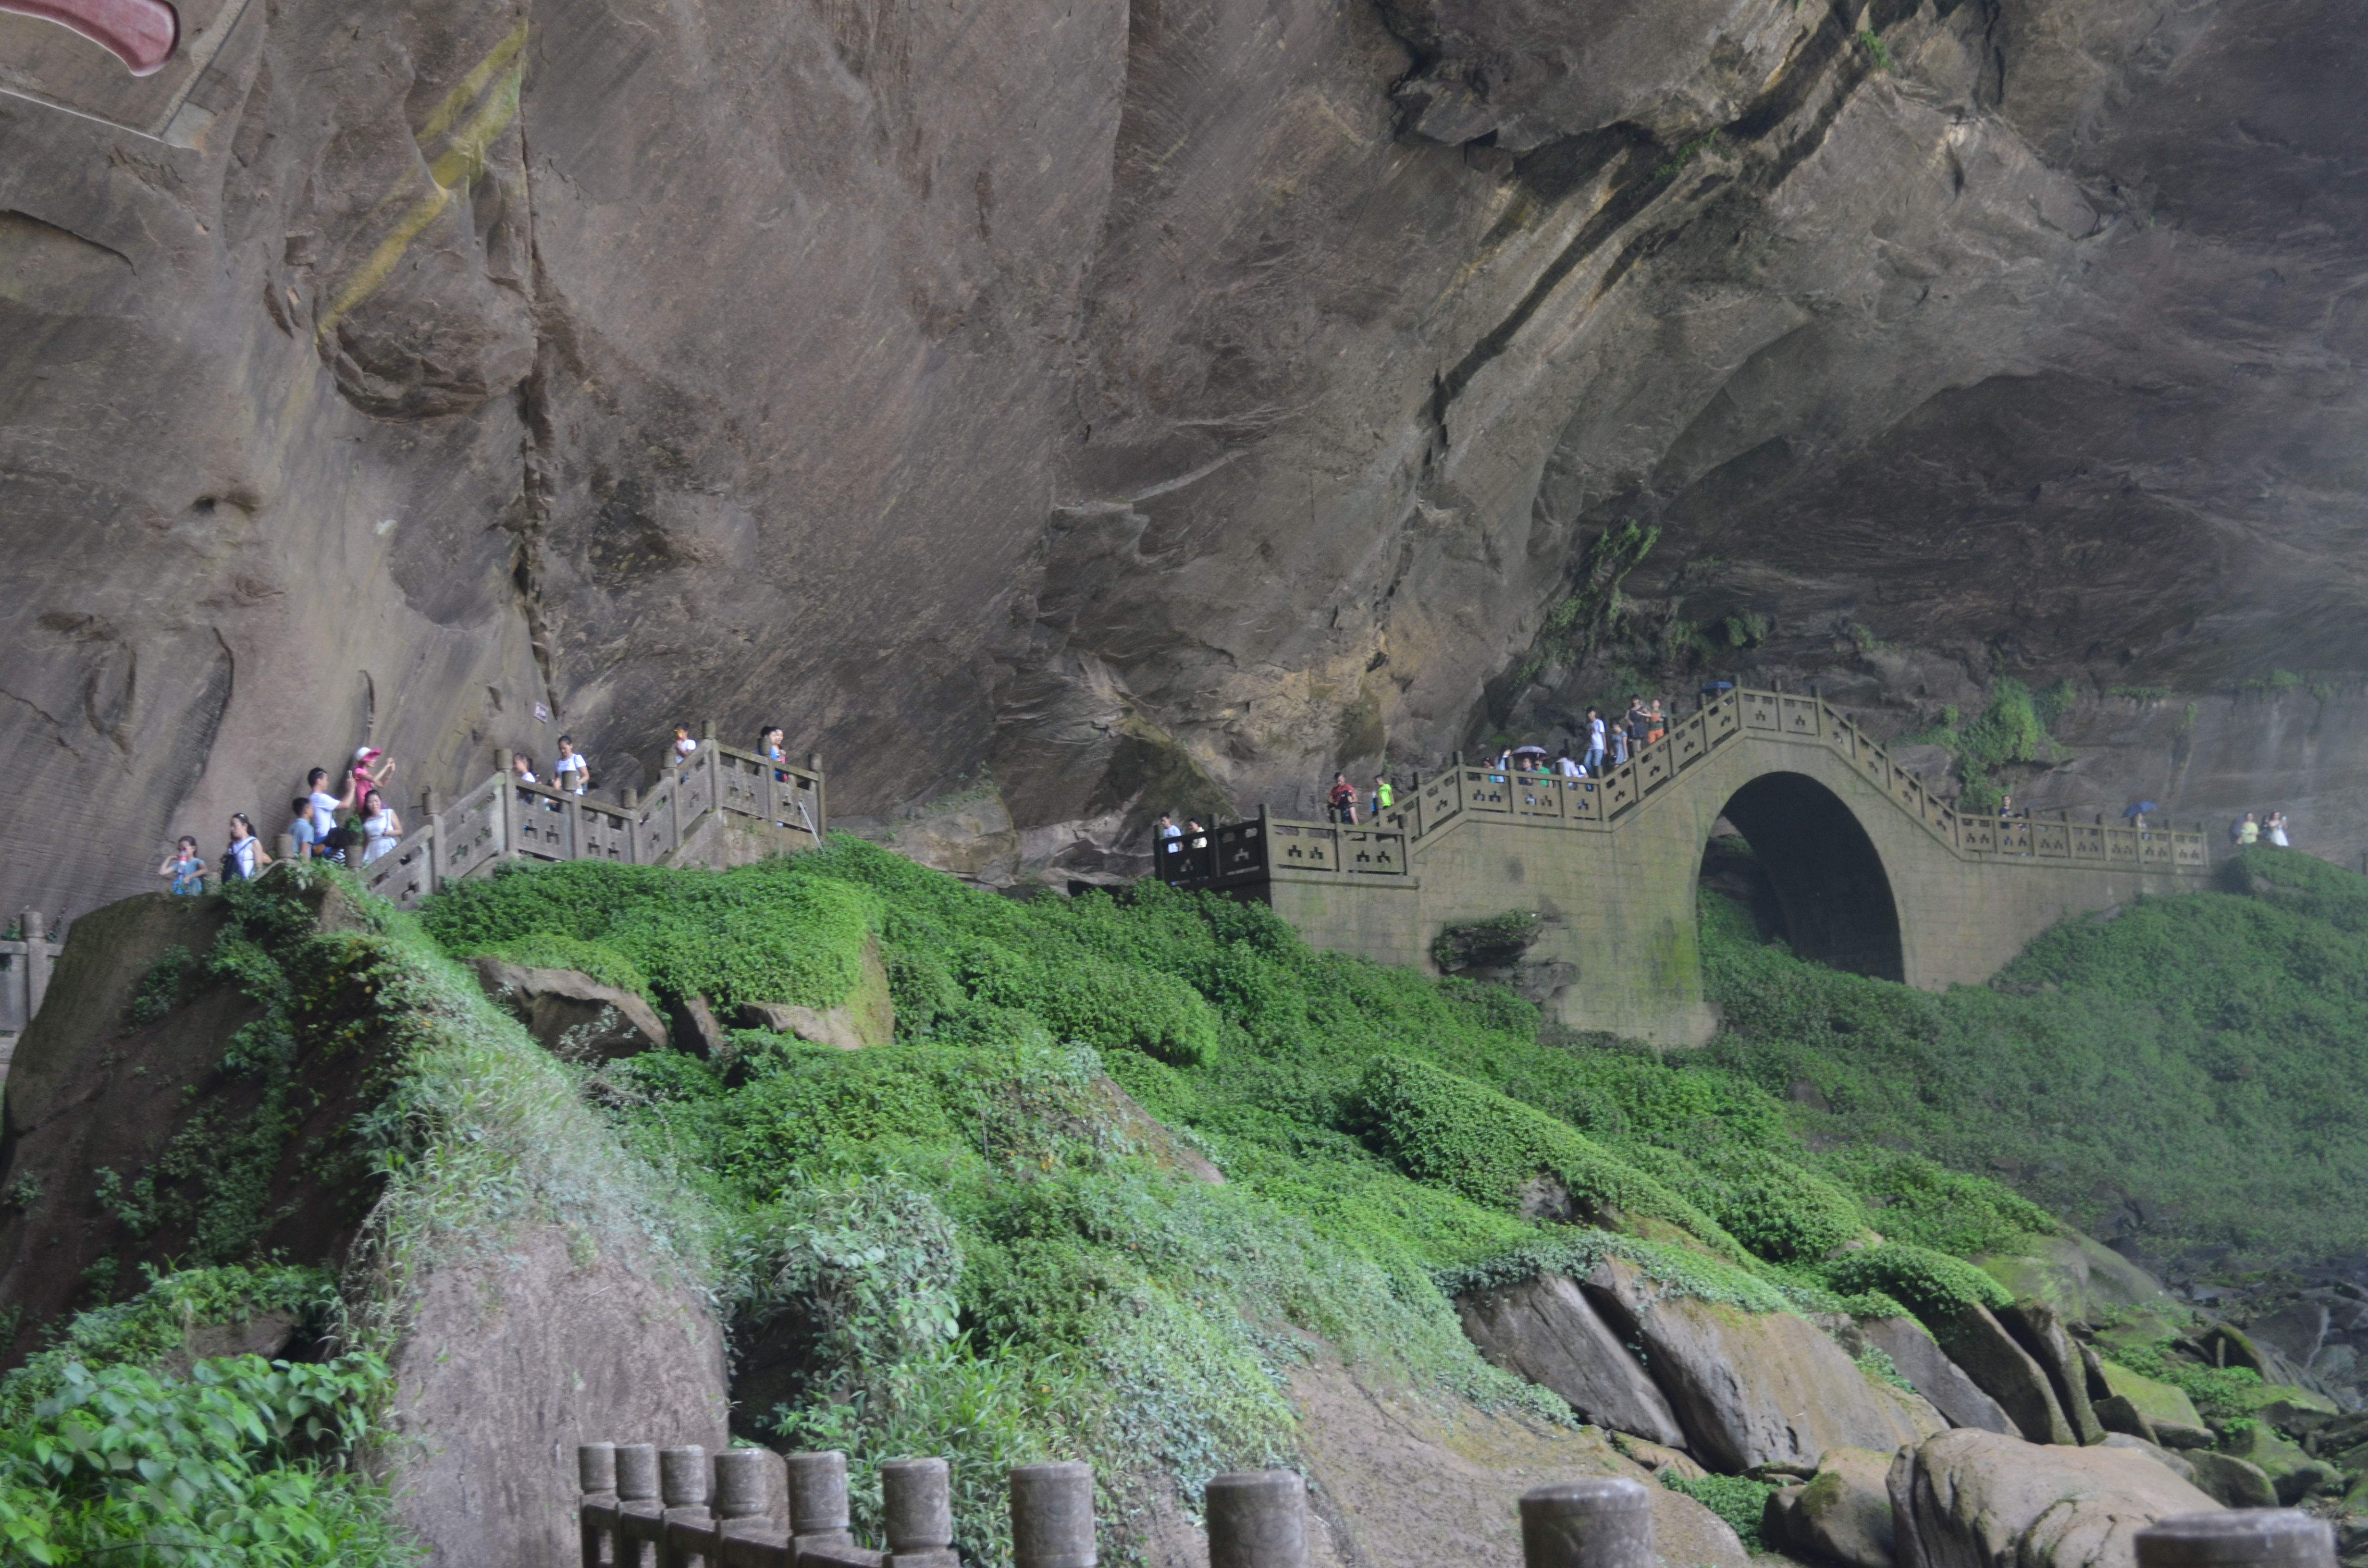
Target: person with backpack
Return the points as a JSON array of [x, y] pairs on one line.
[[1342, 799], [329, 838], [246, 859], [185, 866]]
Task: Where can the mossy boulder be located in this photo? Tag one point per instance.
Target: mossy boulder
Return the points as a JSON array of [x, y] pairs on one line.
[[2081, 1278], [1843, 1515], [1750, 1388], [2156, 1401]]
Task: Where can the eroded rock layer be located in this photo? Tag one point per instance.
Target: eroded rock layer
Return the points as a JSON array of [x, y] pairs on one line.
[[1162, 404]]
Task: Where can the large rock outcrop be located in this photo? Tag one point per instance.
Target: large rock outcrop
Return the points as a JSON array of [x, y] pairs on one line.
[[1545, 1330], [1969, 1499], [162, 1112], [1751, 1389], [1164, 403]]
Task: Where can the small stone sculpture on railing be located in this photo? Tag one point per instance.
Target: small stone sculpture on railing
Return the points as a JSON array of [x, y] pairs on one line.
[[643, 1507]]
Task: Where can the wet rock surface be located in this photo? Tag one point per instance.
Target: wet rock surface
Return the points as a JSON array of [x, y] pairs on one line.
[[1166, 412]]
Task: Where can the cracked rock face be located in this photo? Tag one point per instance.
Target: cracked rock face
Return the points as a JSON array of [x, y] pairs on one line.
[[1163, 403]]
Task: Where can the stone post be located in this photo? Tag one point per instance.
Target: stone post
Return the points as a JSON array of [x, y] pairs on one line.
[[37, 962], [284, 846], [2237, 1538], [1600, 1522], [638, 1509], [682, 1487], [1258, 1518], [428, 819], [739, 1483], [917, 1498], [595, 1476], [1052, 1516], [817, 1499]]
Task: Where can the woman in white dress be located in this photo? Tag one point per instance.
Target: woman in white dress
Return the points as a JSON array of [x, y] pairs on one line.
[[381, 829]]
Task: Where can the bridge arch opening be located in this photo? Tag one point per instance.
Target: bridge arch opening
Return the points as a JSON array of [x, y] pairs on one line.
[[1821, 882]]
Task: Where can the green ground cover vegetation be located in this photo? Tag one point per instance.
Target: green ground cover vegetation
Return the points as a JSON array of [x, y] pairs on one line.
[[967, 1241], [969, 1248], [2208, 1053]]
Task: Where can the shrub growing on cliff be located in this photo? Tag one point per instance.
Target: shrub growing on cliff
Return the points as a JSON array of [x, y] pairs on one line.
[[2209, 1052]]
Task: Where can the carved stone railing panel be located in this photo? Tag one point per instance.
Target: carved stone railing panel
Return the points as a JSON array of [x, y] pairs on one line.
[[404, 874], [1978, 835], [1484, 789], [1804, 716], [1618, 791], [1655, 767], [1762, 710], [470, 834], [1366, 853], [1302, 846], [543, 822], [603, 832], [1538, 797], [2051, 840]]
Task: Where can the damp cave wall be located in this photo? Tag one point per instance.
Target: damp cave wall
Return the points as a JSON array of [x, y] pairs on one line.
[[1171, 400]]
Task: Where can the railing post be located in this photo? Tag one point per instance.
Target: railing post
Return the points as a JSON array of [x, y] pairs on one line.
[[1052, 1516], [595, 1476], [284, 846], [1599, 1522], [506, 800], [430, 820], [637, 1499], [916, 1498], [738, 1509], [1258, 1518], [817, 1499], [682, 1487], [2237, 1538], [37, 962]]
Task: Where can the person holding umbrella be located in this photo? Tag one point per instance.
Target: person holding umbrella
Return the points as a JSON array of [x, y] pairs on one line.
[[2135, 815]]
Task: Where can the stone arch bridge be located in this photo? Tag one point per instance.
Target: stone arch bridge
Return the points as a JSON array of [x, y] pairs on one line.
[[1873, 873]]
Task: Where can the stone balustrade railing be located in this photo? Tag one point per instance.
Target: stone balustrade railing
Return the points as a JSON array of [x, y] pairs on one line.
[[1377, 852], [25, 964], [503, 819], [646, 1507]]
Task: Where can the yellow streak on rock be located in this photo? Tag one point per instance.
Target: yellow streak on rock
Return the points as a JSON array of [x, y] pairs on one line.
[[462, 160]]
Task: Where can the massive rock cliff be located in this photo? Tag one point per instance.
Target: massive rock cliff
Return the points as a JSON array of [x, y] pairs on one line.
[[1166, 401]]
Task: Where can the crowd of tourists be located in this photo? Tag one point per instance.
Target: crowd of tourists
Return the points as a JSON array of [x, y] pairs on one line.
[[353, 825]]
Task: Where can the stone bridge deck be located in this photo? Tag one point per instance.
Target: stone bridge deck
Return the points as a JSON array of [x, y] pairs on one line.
[[1874, 873], [720, 807]]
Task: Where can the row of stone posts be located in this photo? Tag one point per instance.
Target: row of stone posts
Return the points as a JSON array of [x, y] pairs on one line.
[[674, 1507]]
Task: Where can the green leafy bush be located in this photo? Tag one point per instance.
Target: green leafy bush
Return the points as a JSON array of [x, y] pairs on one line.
[[1446, 1129], [240, 1462], [1740, 1500], [1929, 1283], [757, 933], [156, 1323], [2209, 1052], [1780, 1210], [546, 949]]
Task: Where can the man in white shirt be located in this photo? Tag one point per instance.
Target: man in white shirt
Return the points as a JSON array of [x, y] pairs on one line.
[[1594, 763]]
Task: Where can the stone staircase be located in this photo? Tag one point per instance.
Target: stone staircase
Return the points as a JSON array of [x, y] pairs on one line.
[[720, 807]]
